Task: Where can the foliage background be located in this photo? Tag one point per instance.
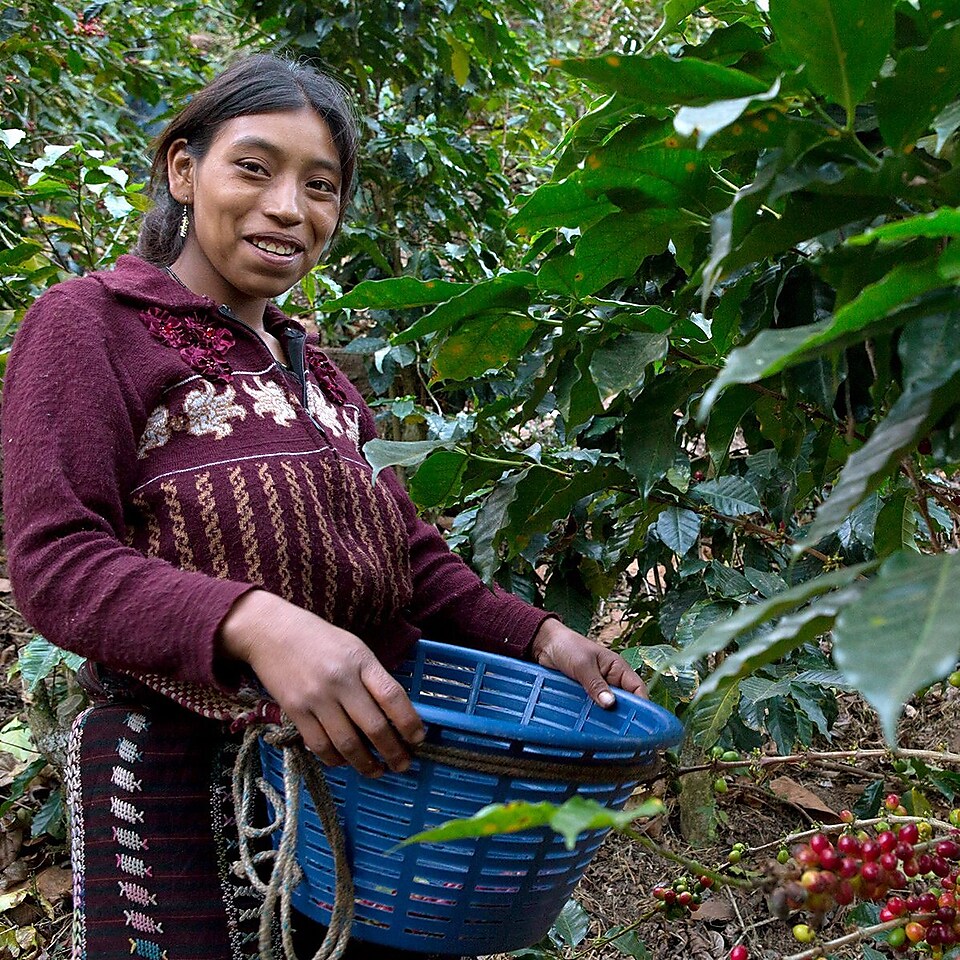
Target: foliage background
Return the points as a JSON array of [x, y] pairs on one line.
[[666, 303]]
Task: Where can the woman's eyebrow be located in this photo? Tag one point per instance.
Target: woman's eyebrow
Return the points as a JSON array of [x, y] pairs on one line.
[[259, 143]]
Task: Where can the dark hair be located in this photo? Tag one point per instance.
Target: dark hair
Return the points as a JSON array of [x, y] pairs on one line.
[[259, 84]]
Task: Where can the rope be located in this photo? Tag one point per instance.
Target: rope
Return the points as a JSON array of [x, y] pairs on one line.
[[299, 765], [569, 770]]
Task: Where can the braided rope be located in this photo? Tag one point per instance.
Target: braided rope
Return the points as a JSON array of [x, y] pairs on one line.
[[299, 765], [580, 770]]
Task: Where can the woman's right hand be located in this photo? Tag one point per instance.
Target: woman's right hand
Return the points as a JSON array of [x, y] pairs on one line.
[[327, 681]]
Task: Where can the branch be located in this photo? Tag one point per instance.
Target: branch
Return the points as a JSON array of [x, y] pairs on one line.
[[694, 866], [860, 934], [830, 828]]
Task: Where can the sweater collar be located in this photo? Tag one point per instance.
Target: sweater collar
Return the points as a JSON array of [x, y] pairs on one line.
[[135, 281]]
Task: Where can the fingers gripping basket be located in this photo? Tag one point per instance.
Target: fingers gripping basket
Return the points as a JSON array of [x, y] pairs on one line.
[[491, 894]]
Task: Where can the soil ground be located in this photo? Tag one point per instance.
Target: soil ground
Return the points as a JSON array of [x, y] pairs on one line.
[[758, 810]]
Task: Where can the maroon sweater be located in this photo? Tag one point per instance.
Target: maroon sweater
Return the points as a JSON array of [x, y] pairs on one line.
[[159, 463]]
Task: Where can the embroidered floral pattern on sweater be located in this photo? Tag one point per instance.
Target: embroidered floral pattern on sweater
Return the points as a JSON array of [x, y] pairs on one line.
[[269, 400], [206, 411], [156, 433], [338, 420], [201, 345]]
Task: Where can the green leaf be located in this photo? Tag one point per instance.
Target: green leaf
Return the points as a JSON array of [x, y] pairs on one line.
[[650, 429], [901, 635], [674, 13], [571, 926], [791, 632], [564, 204], [866, 807], [924, 82], [749, 617], [909, 419], [38, 660], [946, 125], [732, 496], [482, 343], [19, 253], [568, 597], [678, 529], [545, 497], [459, 61], [396, 293], [51, 818], [706, 718], [510, 291], [618, 245], [896, 525], [629, 944], [570, 819], [437, 482], [619, 364], [20, 783], [660, 80], [492, 519], [774, 350], [843, 43], [944, 222], [381, 454], [725, 418], [704, 122]]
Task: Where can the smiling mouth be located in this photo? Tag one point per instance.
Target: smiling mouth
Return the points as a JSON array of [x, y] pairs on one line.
[[275, 247]]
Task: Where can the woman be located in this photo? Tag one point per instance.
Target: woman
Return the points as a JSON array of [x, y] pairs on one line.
[[187, 506]]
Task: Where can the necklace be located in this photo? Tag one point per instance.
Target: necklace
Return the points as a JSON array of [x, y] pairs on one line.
[[169, 271]]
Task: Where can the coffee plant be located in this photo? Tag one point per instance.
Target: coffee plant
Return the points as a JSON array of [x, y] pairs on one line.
[[717, 377]]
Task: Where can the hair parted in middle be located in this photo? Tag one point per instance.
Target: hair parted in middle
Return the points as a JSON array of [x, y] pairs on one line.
[[263, 83]]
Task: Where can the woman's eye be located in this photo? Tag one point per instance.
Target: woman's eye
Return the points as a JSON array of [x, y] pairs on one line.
[[251, 166], [324, 186]]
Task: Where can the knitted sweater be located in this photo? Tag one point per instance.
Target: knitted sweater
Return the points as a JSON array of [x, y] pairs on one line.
[[159, 463]]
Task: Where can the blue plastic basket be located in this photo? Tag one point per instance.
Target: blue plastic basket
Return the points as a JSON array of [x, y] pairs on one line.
[[485, 895]]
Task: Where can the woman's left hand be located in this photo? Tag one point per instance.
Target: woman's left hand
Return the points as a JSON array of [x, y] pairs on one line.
[[591, 664]]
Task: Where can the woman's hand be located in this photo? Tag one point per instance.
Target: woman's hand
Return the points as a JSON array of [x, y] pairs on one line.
[[327, 681], [591, 664]]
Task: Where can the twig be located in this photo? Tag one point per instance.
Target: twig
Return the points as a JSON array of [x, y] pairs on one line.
[[860, 934], [694, 866], [813, 756], [934, 540], [829, 828]]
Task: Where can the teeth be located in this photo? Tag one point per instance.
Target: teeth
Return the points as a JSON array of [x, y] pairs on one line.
[[272, 247]]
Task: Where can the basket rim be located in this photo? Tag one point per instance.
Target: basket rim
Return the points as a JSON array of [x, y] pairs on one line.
[[668, 730]]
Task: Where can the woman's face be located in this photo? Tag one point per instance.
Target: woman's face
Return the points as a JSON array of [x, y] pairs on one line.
[[265, 201]]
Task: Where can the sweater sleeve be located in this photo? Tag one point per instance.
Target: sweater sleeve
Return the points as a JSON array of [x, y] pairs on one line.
[[450, 602], [70, 428]]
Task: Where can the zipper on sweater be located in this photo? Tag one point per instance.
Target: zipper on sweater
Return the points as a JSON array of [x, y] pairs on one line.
[[296, 351]]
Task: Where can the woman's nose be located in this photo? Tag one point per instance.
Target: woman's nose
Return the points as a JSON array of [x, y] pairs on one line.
[[284, 201]]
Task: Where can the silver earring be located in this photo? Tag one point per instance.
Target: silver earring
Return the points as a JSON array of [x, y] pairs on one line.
[[184, 222]]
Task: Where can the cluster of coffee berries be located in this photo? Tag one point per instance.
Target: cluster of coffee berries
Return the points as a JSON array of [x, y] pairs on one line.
[[682, 897], [894, 860], [932, 918]]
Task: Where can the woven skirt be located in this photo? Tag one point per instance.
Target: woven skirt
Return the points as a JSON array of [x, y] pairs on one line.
[[153, 842]]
